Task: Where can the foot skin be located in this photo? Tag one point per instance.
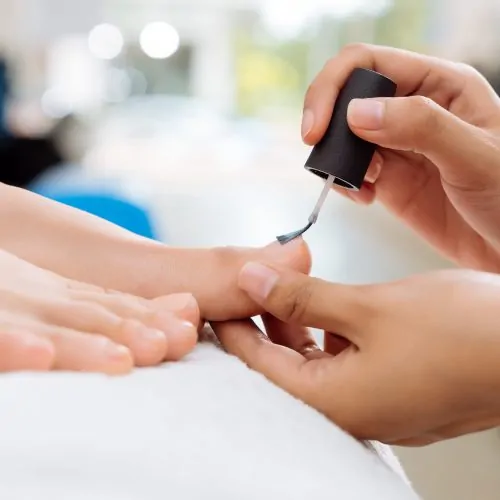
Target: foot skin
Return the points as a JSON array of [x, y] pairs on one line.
[[211, 275], [50, 322]]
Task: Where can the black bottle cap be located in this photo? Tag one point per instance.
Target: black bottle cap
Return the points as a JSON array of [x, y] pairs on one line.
[[341, 153]]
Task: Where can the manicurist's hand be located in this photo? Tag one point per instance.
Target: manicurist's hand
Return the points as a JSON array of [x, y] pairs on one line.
[[438, 161], [409, 363]]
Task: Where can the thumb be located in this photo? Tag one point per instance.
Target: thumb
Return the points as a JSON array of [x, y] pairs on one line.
[[296, 298], [463, 153]]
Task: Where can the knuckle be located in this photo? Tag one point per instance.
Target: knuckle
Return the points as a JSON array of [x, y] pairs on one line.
[[467, 70], [420, 104], [426, 118], [472, 75], [352, 54], [296, 303], [356, 51], [356, 48]]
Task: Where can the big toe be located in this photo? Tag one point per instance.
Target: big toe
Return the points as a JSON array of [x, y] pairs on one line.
[[295, 255], [216, 286]]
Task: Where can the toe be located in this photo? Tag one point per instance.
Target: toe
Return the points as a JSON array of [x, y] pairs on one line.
[[182, 305], [77, 351], [121, 304], [182, 335], [147, 344], [22, 350], [150, 323], [214, 279]]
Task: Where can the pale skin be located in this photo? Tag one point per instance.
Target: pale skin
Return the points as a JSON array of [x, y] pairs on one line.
[[414, 361], [410, 362], [78, 293]]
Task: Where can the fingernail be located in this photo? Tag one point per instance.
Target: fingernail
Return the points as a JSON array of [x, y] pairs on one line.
[[178, 328], [307, 123], [180, 301], [257, 280], [367, 114], [375, 169]]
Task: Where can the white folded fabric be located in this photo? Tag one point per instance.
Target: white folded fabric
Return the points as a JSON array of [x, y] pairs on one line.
[[205, 428]]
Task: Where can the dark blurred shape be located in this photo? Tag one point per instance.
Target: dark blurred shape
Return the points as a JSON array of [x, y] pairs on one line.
[[4, 96], [22, 159]]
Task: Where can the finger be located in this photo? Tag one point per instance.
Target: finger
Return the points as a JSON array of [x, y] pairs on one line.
[[77, 351], [299, 299], [21, 350], [365, 196], [213, 274], [375, 168], [415, 442], [314, 381], [335, 344], [296, 337], [462, 152], [301, 339], [279, 364], [442, 80]]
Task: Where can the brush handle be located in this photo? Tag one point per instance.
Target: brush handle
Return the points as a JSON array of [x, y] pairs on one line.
[[340, 153]]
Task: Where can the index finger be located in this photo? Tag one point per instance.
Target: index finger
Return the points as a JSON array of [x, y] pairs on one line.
[[279, 364], [329, 384], [413, 73]]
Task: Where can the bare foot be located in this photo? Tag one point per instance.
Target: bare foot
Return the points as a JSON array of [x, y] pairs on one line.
[[50, 322], [211, 275]]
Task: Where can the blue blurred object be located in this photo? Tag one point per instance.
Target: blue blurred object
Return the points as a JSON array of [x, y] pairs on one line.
[[111, 207], [123, 203]]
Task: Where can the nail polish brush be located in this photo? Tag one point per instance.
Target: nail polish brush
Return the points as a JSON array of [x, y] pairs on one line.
[[341, 158]]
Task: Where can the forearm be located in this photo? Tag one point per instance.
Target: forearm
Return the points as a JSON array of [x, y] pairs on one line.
[[75, 244]]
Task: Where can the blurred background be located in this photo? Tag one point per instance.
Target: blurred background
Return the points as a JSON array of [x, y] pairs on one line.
[[180, 119]]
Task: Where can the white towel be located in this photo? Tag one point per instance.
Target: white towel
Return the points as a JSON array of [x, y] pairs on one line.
[[206, 428]]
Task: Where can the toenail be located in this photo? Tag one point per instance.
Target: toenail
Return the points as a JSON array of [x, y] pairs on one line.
[[180, 328], [116, 352], [152, 335]]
